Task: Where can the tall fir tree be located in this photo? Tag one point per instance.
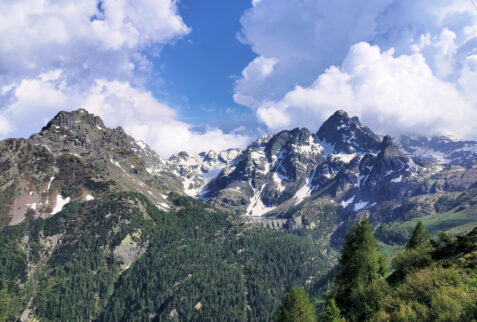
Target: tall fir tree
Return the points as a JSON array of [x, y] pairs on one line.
[[358, 267], [420, 237], [415, 256], [332, 312], [296, 307]]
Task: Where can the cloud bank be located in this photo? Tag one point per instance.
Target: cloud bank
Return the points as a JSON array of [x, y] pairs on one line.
[[400, 65], [85, 39], [62, 55]]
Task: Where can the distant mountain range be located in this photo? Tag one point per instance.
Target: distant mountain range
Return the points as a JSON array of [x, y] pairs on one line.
[[344, 164]]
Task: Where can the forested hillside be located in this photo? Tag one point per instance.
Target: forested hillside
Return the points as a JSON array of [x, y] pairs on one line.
[[191, 264]]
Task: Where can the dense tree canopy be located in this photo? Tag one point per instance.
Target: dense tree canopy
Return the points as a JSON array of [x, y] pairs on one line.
[[332, 312], [192, 264]]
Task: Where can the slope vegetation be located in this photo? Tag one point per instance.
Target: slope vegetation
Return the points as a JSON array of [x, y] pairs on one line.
[[124, 259]]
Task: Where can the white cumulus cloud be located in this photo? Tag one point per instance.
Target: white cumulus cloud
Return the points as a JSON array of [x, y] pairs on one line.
[[63, 55], [147, 119], [253, 75], [390, 93], [402, 65], [86, 39]]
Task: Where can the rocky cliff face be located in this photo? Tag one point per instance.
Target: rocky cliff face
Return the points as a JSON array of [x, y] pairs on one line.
[[343, 134]]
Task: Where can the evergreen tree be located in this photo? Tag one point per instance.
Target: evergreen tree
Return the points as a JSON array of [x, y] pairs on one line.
[[296, 307], [383, 266], [420, 237], [416, 255], [332, 312], [358, 267]]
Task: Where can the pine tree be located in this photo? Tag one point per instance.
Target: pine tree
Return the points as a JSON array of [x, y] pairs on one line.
[[383, 266], [420, 237], [332, 312], [416, 255], [296, 307], [358, 267]]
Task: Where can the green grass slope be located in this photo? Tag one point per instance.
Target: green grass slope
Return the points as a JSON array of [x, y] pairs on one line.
[[454, 223]]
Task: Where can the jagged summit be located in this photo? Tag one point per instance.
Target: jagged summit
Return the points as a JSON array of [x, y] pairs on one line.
[[386, 142], [347, 135], [183, 155], [82, 132], [75, 120], [296, 136]]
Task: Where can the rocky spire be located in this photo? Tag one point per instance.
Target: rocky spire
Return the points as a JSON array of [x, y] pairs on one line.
[[347, 135], [78, 119]]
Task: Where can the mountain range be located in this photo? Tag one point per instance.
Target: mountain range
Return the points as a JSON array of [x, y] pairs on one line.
[[344, 164], [80, 193]]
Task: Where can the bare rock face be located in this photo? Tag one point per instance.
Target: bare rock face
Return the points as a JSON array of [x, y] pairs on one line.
[[76, 120], [347, 135], [130, 249], [80, 131]]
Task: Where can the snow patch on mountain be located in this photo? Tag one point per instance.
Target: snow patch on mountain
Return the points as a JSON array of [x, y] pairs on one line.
[[303, 192], [60, 203], [441, 149], [196, 171], [398, 179], [327, 148], [256, 208], [346, 158], [360, 205], [310, 147], [278, 180], [345, 203]]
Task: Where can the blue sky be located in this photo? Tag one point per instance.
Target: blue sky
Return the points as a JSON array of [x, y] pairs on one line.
[[198, 72], [199, 75]]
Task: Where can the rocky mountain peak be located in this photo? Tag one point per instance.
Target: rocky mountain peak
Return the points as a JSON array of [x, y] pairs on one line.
[[347, 135], [82, 132], [340, 116], [282, 139], [75, 120], [183, 155], [386, 142]]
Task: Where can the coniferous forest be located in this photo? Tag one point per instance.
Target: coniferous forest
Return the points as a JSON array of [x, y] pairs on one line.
[[193, 264], [198, 264]]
